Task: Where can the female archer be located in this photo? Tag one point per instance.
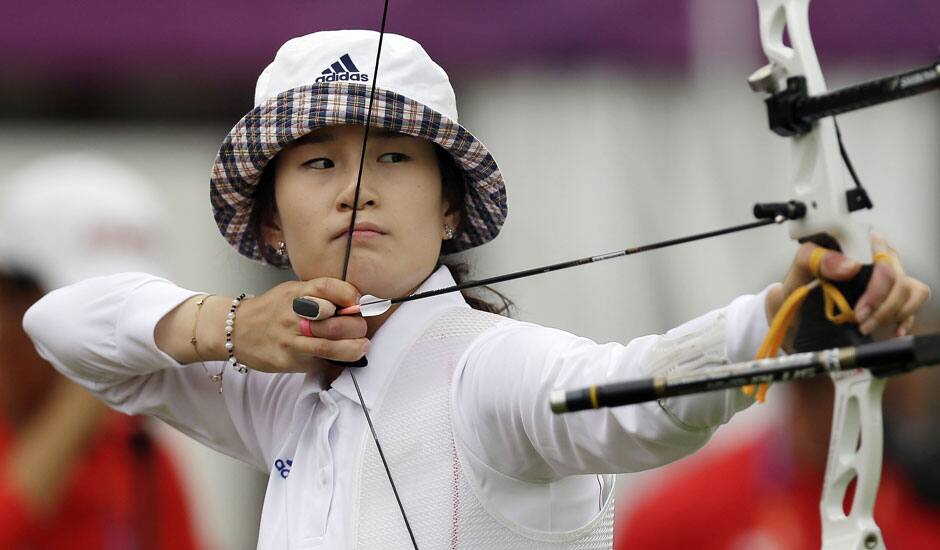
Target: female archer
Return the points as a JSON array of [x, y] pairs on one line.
[[458, 396]]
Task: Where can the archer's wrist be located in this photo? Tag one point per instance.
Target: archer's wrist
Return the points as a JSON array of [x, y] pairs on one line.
[[190, 333], [210, 329]]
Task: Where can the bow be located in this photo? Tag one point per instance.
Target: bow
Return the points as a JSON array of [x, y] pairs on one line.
[[855, 449]]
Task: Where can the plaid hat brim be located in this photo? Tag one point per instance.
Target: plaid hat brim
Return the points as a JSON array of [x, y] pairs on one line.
[[268, 128]]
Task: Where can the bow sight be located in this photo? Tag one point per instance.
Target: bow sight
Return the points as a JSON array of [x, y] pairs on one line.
[[792, 111]]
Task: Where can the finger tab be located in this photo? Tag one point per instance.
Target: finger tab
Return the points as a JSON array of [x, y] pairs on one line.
[[358, 363]]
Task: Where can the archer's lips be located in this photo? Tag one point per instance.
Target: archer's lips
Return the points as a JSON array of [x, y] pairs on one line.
[[362, 231]]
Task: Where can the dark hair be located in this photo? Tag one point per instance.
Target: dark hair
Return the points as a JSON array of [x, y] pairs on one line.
[[454, 189], [263, 211]]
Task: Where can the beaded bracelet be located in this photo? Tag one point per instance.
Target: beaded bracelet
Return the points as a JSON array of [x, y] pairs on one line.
[[229, 328]]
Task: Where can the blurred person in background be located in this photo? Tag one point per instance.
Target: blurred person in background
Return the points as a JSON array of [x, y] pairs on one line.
[[912, 429], [74, 474], [764, 494]]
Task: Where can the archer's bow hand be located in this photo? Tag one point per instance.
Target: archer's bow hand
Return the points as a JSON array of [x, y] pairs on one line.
[[891, 298]]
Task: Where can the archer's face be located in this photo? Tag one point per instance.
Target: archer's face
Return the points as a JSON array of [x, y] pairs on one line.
[[401, 217]]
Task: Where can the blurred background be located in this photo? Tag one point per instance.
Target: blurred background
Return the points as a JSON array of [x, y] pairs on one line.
[[615, 122]]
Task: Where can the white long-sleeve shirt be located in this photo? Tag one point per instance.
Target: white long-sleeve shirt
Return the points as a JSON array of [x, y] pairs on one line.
[[100, 333]]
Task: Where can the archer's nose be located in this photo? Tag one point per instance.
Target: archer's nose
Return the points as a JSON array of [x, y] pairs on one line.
[[348, 196]]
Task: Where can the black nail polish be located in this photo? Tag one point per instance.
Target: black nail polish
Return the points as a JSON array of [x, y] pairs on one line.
[[306, 308]]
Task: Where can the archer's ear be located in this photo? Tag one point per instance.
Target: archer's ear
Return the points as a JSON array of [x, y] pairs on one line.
[[271, 230], [451, 215]]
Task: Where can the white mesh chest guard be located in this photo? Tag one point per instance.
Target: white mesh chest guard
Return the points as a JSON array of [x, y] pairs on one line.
[[414, 423]]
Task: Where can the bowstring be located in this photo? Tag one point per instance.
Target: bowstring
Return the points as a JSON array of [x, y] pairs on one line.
[[349, 238]]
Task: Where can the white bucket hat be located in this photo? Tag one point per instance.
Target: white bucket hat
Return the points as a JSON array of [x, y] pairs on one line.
[[71, 216], [324, 79]]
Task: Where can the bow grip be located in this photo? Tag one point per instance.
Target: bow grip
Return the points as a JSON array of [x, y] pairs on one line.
[[816, 332]]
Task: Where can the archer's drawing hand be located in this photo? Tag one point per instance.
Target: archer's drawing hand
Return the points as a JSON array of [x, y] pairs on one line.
[[268, 336]]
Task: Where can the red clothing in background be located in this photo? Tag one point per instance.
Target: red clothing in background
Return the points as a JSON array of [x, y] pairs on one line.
[[123, 494], [752, 498]]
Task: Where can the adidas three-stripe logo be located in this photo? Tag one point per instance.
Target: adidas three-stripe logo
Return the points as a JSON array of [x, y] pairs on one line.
[[343, 70]]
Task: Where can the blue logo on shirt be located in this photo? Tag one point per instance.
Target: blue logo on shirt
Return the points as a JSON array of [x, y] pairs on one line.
[[283, 466]]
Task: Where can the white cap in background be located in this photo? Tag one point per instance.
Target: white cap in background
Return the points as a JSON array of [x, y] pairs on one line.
[[72, 216]]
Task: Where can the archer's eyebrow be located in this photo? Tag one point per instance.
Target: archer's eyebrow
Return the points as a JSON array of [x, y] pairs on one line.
[[316, 137]]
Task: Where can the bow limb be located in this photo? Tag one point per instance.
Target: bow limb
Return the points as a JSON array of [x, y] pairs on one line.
[[819, 181]]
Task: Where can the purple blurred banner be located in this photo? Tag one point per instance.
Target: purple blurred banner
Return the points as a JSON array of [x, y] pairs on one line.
[[98, 39]]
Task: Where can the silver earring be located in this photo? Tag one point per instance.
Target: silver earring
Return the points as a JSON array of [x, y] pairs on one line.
[[281, 248], [449, 232]]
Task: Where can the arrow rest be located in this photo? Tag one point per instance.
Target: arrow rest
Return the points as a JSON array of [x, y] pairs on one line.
[[782, 211]]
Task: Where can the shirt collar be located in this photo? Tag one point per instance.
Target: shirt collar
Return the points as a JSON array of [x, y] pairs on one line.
[[393, 338]]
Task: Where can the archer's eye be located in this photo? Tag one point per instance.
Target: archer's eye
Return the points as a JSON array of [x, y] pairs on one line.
[[393, 157], [319, 164]]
